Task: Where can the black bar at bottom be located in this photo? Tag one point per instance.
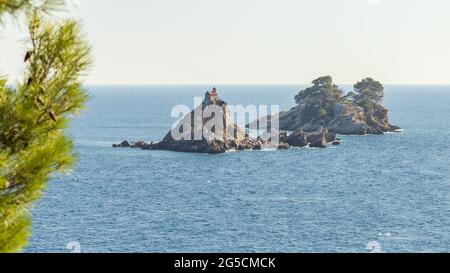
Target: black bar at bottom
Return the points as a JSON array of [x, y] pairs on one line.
[[224, 262]]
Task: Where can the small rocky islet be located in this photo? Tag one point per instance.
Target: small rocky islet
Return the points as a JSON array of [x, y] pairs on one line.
[[322, 112]]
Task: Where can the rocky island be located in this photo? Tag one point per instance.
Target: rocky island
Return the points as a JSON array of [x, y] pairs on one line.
[[230, 136], [324, 105], [322, 111]]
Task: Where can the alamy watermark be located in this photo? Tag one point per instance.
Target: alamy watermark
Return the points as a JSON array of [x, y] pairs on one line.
[[374, 247], [217, 121], [74, 247]]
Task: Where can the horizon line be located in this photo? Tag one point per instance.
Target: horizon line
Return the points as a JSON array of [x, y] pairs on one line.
[[155, 84]]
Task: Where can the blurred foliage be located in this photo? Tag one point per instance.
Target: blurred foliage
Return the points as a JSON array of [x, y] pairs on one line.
[[34, 114], [15, 7]]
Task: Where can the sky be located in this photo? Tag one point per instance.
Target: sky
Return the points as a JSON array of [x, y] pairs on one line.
[[256, 41]]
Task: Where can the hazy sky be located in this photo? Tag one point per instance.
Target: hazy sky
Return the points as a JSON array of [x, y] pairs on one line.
[[258, 41]]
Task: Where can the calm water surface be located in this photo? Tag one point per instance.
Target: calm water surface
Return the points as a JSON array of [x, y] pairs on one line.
[[393, 189]]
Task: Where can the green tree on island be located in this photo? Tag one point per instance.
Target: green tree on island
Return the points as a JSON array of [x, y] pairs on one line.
[[319, 100], [368, 93], [34, 113]]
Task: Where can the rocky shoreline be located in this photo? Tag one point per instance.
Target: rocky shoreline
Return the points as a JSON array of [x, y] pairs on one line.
[[319, 139]]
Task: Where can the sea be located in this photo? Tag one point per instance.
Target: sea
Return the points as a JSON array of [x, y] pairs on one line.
[[375, 193]]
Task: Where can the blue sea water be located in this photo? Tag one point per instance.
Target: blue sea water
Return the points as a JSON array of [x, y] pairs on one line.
[[391, 189]]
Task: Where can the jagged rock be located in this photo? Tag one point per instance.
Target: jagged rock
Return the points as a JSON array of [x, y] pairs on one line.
[[329, 136], [240, 147], [232, 136], [283, 137], [297, 139], [313, 137], [232, 144], [283, 146], [140, 144], [318, 141], [123, 144], [262, 141], [336, 143], [257, 146], [211, 142]]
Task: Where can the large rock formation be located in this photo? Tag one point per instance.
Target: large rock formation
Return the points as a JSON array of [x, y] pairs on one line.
[[223, 136], [193, 133], [324, 106], [347, 119]]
